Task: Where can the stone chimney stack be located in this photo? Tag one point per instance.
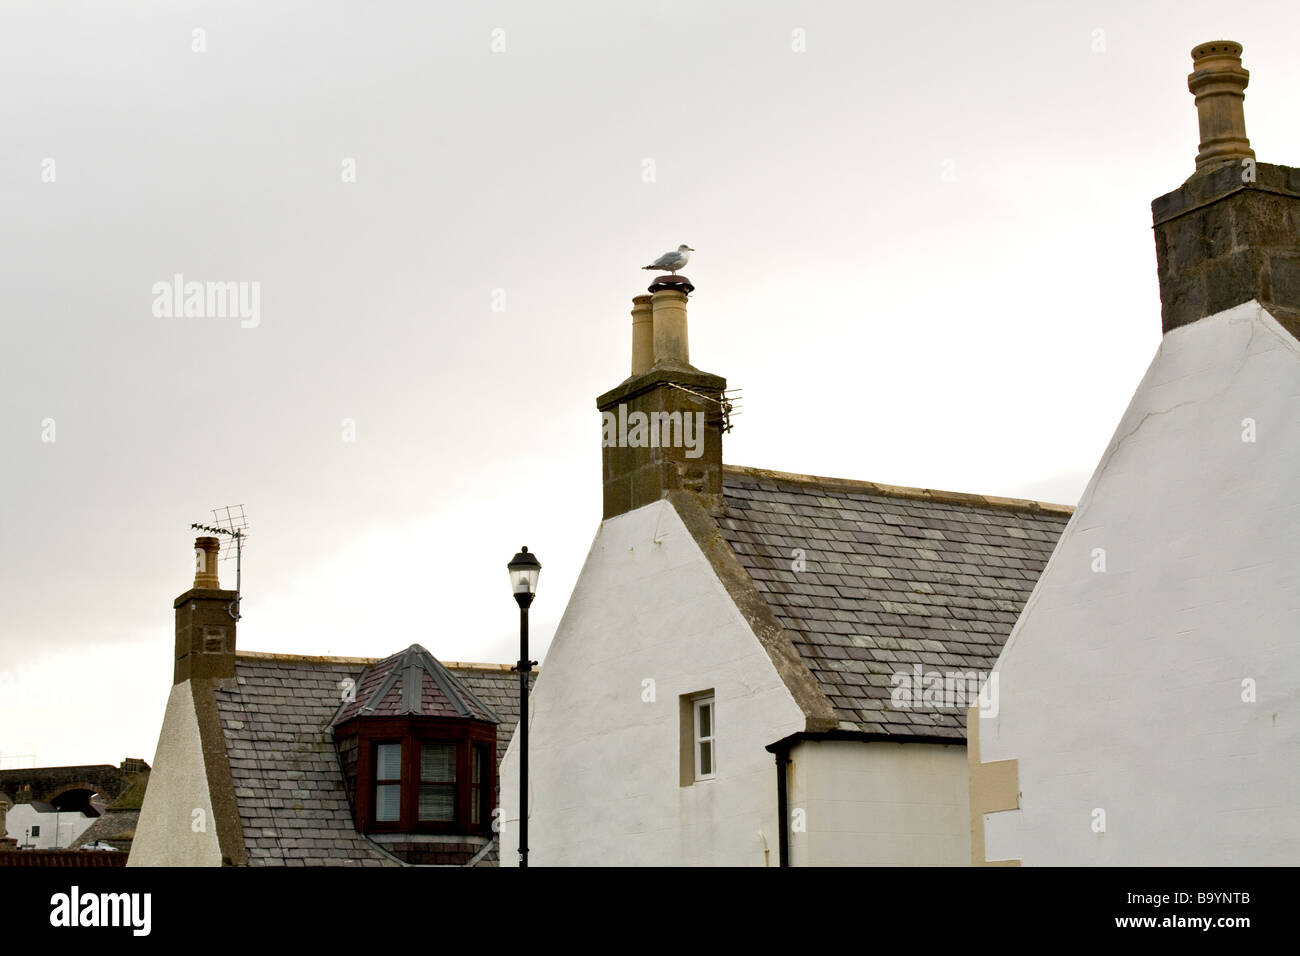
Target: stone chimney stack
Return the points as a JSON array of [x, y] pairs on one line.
[[1231, 233], [662, 427], [205, 620]]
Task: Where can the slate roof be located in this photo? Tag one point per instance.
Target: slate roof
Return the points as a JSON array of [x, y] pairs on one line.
[[115, 827], [893, 577], [289, 787]]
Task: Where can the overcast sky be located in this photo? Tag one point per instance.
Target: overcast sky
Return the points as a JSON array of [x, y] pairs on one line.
[[923, 252]]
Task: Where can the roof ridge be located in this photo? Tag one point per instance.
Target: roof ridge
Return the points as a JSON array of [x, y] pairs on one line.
[[312, 658], [903, 491], [321, 659]]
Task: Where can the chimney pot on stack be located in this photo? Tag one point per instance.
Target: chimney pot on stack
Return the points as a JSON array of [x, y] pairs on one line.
[[206, 552], [643, 335], [1218, 82], [668, 304]]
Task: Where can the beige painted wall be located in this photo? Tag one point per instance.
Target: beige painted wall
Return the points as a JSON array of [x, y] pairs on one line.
[[168, 833], [879, 804]]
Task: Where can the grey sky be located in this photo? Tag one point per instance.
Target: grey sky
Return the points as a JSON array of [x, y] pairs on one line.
[[923, 251]]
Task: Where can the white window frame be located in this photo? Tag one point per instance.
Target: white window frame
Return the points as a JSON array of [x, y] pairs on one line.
[[711, 739]]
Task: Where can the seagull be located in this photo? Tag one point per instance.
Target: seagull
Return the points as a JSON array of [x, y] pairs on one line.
[[672, 261]]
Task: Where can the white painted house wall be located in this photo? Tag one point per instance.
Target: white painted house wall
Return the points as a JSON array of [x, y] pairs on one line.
[[879, 804], [1121, 690], [57, 829], [169, 832], [604, 764]]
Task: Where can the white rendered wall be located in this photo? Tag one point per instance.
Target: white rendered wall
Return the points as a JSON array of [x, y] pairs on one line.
[[57, 829], [603, 763], [880, 804], [1121, 690], [166, 833]]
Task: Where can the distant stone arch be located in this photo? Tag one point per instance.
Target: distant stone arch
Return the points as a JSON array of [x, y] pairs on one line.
[[75, 797], [49, 784]]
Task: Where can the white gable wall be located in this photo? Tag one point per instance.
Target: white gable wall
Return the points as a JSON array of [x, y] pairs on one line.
[[1121, 691], [168, 832], [879, 804], [603, 763]]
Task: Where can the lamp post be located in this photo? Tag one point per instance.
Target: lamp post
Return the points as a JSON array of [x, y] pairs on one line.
[[524, 570]]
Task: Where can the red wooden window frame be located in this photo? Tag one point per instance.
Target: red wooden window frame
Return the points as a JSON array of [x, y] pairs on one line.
[[412, 732]]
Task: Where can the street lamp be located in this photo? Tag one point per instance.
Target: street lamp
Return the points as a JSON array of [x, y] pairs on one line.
[[524, 570]]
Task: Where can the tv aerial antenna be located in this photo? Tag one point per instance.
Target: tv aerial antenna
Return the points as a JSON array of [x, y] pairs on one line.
[[727, 404], [231, 523]]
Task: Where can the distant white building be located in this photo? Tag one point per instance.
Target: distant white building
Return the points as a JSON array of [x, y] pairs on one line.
[[1150, 693], [41, 826]]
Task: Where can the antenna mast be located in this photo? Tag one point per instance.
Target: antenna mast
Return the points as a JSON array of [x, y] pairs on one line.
[[232, 523]]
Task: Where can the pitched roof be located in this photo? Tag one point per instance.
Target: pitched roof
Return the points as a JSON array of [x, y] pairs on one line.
[[289, 787], [412, 682], [116, 828], [893, 577]]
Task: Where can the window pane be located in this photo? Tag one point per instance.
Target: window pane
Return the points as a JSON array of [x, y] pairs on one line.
[[706, 720], [388, 803], [438, 763], [475, 805], [438, 802], [388, 762], [706, 758], [477, 773]]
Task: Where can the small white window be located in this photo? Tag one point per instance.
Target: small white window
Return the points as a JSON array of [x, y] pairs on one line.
[[706, 757]]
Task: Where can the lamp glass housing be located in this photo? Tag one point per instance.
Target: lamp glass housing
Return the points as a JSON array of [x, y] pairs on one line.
[[524, 569]]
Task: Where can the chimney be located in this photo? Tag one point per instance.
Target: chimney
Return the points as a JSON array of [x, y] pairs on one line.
[[1231, 232], [1218, 82], [205, 620], [643, 334], [662, 427]]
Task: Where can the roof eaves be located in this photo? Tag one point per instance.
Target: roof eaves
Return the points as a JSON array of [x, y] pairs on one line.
[[785, 743]]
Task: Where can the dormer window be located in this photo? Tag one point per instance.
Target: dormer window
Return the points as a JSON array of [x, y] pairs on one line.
[[430, 779], [418, 749]]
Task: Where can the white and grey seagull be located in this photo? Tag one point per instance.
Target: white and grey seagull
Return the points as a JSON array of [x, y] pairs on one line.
[[672, 261]]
